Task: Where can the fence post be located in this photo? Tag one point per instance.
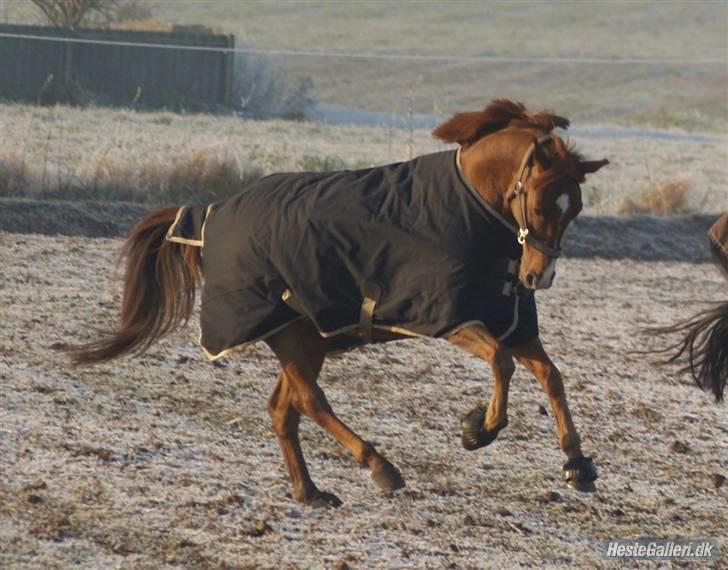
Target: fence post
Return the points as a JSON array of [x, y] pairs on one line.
[[67, 66], [229, 71]]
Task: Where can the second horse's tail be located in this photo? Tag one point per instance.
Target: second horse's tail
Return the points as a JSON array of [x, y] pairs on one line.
[[159, 290], [703, 348]]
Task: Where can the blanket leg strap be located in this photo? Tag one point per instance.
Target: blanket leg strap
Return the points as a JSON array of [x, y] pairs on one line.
[[372, 293], [290, 299], [365, 318]]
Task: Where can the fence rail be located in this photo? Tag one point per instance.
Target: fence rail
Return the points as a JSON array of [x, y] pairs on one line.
[[115, 67]]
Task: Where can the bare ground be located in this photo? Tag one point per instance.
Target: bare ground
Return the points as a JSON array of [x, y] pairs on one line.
[[169, 461]]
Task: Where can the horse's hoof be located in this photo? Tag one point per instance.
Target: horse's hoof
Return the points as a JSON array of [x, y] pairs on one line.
[[321, 500], [580, 474], [387, 476], [475, 435]]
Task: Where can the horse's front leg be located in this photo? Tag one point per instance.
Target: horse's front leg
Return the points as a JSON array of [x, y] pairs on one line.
[[579, 471], [481, 427]]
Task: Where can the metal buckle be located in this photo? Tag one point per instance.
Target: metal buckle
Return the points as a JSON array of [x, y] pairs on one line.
[[522, 233]]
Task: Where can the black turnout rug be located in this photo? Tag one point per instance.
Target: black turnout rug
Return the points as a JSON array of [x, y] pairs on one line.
[[405, 247]]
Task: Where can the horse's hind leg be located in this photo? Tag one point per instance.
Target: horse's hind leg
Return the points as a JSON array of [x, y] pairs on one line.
[[285, 422], [301, 352]]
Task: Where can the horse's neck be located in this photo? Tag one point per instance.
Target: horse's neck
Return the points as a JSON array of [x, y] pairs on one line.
[[490, 174]]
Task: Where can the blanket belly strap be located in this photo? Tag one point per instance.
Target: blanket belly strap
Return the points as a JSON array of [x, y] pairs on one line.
[[372, 294]]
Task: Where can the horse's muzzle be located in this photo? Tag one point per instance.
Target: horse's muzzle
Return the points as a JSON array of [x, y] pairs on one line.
[[533, 281], [542, 280]]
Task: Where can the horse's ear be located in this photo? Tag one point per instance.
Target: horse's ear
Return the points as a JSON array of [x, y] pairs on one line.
[[560, 122], [591, 166]]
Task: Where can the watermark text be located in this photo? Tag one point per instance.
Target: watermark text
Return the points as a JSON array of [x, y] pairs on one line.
[[660, 549]]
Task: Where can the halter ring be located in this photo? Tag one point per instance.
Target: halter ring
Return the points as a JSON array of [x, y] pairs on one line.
[[522, 233]]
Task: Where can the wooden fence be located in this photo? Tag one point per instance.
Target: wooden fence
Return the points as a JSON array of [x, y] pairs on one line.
[[42, 70]]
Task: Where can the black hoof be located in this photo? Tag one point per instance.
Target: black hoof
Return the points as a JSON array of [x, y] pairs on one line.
[[475, 435], [580, 474], [321, 500], [387, 476]]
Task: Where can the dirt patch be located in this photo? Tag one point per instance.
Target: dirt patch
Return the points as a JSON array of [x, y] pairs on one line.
[[47, 217], [643, 238], [168, 461]]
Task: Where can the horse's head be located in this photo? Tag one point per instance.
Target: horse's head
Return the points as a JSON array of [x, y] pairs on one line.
[[527, 174]]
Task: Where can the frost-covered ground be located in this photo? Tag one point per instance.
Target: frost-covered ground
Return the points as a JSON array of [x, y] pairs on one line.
[[169, 461]]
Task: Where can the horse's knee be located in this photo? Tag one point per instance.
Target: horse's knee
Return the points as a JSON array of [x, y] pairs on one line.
[[285, 421], [313, 403], [502, 362], [273, 401], [283, 415]]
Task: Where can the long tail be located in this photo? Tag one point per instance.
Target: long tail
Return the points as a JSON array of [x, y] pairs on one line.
[[159, 290], [702, 350]]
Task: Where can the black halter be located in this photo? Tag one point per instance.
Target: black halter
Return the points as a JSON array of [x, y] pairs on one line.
[[519, 191]]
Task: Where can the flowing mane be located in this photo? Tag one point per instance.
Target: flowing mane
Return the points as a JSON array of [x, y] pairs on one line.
[[559, 159], [467, 128]]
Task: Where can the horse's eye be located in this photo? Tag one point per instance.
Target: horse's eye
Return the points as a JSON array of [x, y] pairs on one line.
[[538, 212]]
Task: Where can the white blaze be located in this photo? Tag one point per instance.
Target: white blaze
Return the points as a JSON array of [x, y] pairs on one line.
[[562, 202]]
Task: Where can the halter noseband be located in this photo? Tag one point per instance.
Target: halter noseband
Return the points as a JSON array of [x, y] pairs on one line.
[[519, 191]]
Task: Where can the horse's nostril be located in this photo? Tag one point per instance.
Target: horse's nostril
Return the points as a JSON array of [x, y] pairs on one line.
[[531, 280]]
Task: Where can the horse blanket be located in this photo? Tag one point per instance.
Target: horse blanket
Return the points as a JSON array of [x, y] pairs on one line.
[[718, 234], [408, 247]]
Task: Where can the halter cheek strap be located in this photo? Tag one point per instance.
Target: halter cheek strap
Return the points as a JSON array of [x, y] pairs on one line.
[[519, 192]]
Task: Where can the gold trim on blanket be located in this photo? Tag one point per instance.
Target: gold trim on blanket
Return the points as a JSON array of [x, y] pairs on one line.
[[243, 345], [175, 239]]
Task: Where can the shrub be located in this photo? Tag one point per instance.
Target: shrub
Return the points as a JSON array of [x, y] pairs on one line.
[[76, 13], [668, 199], [263, 89]]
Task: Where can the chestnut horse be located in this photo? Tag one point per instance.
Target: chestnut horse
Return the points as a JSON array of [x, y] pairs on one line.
[[514, 166]]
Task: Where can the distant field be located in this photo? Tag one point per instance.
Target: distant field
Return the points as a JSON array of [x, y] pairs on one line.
[[689, 96], [685, 95], [57, 145]]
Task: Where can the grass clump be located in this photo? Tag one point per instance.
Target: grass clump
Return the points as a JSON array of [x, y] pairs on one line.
[[13, 176], [316, 163], [668, 199], [197, 177]]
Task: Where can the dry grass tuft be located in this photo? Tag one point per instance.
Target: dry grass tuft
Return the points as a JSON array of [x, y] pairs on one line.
[[669, 199], [13, 176], [198, 177], [203, 176], [147, 25]]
